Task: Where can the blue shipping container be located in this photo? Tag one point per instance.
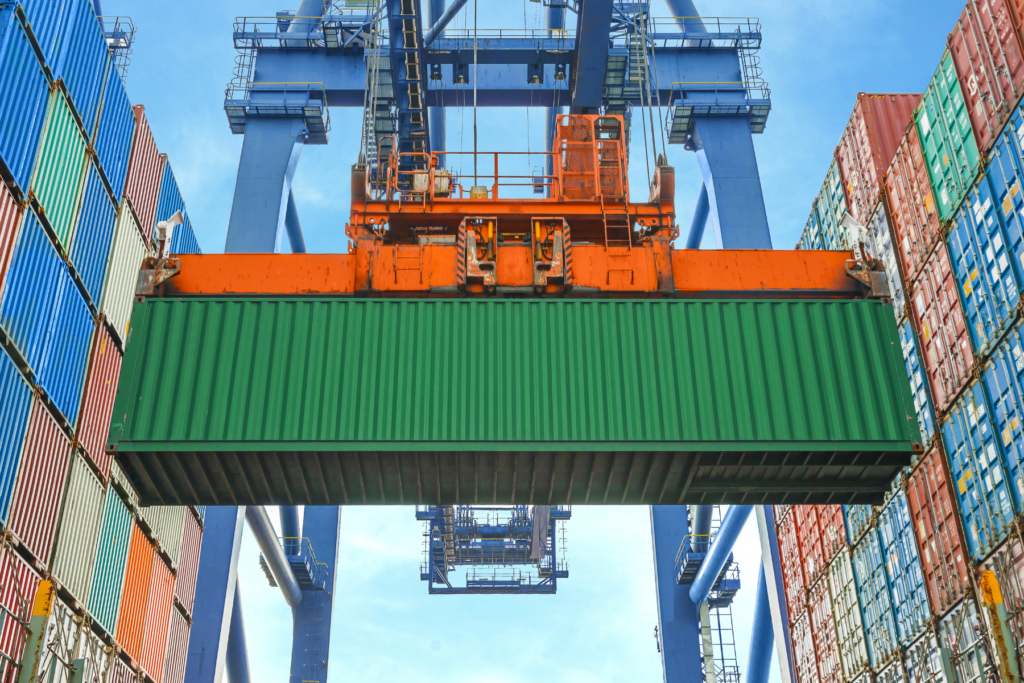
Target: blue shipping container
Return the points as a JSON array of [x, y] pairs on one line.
[[90, 245], [875, 598], [978, 474], [83, 61], [903, 568], [858, 519], [981, 264], [1006, 176], [113, 143], [61, 373], [183, 240], [918, 382], [46, 19], [169, 198], [15, 401], [24, 93], [1004, 385], [811, 237]]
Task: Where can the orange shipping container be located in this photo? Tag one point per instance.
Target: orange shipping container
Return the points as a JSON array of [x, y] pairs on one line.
[[915, 218], [135, 598], [158, 615], [868, 145]]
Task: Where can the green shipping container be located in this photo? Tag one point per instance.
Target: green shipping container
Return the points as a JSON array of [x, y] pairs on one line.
[[111, 558], [950, 149], [331, 401], [60, 169]]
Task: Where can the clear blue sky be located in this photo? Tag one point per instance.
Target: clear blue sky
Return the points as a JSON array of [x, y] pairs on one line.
[[817, 55]]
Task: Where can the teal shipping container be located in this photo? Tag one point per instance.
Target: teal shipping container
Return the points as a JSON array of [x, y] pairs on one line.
[[111, 559]]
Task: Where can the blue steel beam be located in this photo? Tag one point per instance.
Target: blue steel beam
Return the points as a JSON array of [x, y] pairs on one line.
[[214, 599], [293, 226], [771, 563], [554, 20], [759, 662], [311, 631], [237, 655], [700, 219], [726, 537], [442, 19], [678, 620], [438, 140], [593, 26]]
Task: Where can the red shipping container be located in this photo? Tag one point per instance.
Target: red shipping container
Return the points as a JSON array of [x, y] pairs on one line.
[[806, 659], [823, 630], [10, 219], [941, 330], [177, 649], [915, 218], [937, 530], [868, 145], [18, 584], [780, 512], [158, 615], [833, 530], [144, 170], [98, 402], [120, 672], [989, 65], [39, 489], [792, 566], [131, 619], [188, 562]]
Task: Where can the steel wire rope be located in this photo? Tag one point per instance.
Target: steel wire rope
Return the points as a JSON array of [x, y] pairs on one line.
[[646, 76], [657, 94], [475, 150]]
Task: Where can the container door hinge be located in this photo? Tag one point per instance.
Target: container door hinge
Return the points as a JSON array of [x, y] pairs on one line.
[[870, 273], [154, 273]]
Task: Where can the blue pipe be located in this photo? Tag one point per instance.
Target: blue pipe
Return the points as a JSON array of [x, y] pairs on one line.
[[449, 14], [97, 8], [686, 8], [293, 226], [237, 654], [701, 527], [762, 635], [290, 528], [726, 537], [699, 222]]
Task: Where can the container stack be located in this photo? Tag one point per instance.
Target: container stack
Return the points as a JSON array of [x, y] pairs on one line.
[[933, 186], [83, 184]]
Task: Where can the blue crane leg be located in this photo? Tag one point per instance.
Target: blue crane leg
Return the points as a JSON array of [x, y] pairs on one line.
[[438, 142], [270, 153], [214, 599], [238, 656], [678, 623], [771, 564], [591, 60], [725, 150], [726, 537], [696, 235], [439, 24], [293, 226], [762, 636], [554, 19], [311, 634]]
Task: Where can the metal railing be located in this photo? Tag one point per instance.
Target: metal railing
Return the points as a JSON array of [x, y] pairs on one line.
[[739, 32], [242, 92], [119, 33]]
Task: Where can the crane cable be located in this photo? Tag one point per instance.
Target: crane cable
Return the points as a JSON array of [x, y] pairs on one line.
[[475, 180]]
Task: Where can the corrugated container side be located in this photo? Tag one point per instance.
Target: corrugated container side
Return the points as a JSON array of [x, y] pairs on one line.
[[780, 512], [990, 63], [811, 237], [11, 215], [858, 520], [1003, 379], [937, 532], [83, 62], [826, 645], [908, 191], [978, 473], [183, 240], [24, 93], [170, 196], [119, 479], [166, 522], [97, 655], [18, 584], [61, 371], [90, 246], [833, 530], [923, 661], [62, 630], [40, 485], [27, 308], [979, 253], [177, 649], [903, 569], [804, 655], [875, 598], [792, 562], [78, 530], [1005, 174], [830, 208], [880, 236], [892, 674], [158, 615], [918, 381], [47, 19], [115, 133], [188, 563], [143, 185], [57, 178], [123, 273], [1008, 565], [15, 402], [942, 330], [853, 653], [120, 672], [867, 146], [812, 553], [962, 627], [98, 401], [948, 142], [131, 619], [108, 574]]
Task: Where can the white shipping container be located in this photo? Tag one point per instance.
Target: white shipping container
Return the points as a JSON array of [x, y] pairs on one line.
[[923, 661], [123, 272], [961, 630], [78, 529], [853, 651], [892, 673], [166, 521]]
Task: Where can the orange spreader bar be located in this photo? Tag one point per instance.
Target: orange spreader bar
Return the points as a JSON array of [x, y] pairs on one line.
[[650, 269]]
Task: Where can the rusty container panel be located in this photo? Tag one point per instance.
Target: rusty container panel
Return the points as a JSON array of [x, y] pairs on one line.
[[915, 217], [989, 63], [11, 215], [188, 563], [826, 645], [98, 402], [792, 564], [942, 330], [177, 649], [18, 583], [131, 620], [144, 172], [40, 484], [937, 532], [158, 615], [806, 659], [866, 149], [78, 531]]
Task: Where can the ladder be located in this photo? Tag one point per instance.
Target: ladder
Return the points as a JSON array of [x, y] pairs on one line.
[[617, 230]]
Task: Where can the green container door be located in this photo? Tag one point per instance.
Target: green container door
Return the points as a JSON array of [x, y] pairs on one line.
[[947, 139], [60, 169], [111, 557]]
